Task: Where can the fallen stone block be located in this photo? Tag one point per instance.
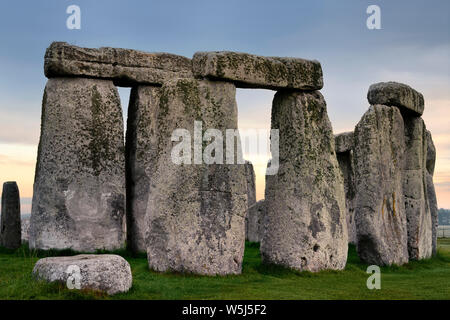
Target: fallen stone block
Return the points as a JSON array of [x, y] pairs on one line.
[[106, 273]]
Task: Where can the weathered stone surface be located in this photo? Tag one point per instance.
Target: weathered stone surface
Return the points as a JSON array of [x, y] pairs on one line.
[[251, 194], [79, 187], [255, 218], [106, 272], [141, 154], [195, 212], [10, 220], [305, 227], [431, 153], [344, 152], [380, 215], [345, 160], [25, 229], [396, 94], [431, 193], [343, 142], [414, 188], [124, 66], [433, 207], [251, 71]]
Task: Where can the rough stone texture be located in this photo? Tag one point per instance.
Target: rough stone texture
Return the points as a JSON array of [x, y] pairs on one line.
[[79, 187], [106, 272], [380, 215], [255, 216], [195, 212], [141, 155], [125, 67], [345, 160], [10, 233], [251, 194], [414, 188], [431, 153], [343, 142], [396, 94], [251, 71], [25, 229], [305, 227], [432, 203], [431, 193], [344, 152]]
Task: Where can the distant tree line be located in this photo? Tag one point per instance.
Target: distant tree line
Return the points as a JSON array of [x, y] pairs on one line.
[[444, 217]]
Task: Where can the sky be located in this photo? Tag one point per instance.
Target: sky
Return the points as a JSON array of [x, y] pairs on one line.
[[412, 46]]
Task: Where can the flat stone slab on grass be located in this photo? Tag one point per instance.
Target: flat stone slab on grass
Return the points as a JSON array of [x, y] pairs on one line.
[[106, 272], [396, 94], [123, 66], [251, 71]]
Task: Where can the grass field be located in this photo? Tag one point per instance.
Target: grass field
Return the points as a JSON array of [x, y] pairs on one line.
[[426, 279]]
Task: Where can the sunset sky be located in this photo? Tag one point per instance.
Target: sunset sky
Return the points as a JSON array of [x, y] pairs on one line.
[[413, 47]]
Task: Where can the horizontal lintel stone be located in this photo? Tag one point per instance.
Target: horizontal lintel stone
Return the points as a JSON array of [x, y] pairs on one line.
[[124, 66], [252, 71], [396, 94]]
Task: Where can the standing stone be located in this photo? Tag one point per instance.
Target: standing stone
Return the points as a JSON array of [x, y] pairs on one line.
[[141, 154], [305, 227], [431, 193], [79, 187], [380, 215], [10, 231], [344, 153], [195, 212], [414, 187], [25, 230], [251, 196], [255, 227]]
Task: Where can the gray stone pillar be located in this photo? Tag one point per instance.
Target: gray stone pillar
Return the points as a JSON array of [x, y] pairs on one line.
[[431, 193], [255, 221], [79, 187], [344, 153], [10, 231], [305, 219], [414, 187], [251, 199], [141, 156], [195, 211], [379, 157]]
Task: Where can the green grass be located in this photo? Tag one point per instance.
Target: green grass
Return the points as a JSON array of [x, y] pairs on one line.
[[426, 279]]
